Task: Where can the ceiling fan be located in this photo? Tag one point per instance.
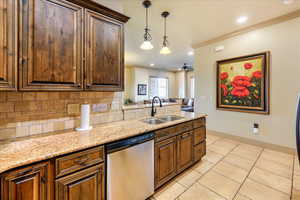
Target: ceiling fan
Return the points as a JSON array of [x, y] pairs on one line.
[[187, 67]]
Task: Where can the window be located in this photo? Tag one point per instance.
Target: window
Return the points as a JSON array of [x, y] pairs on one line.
[[158, 87], [192, 88]]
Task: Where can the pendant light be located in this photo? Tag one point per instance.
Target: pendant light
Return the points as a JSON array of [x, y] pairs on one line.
[[165, 49], [147, 37]]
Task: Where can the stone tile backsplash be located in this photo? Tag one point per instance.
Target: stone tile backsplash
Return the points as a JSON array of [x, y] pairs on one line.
[[30, 106], [30, 113]]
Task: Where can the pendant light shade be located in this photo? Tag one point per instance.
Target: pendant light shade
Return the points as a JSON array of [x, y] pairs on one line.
[[165, 49], [146, 45]]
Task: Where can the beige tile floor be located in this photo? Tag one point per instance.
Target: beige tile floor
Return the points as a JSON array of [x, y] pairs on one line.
[[236, 171]]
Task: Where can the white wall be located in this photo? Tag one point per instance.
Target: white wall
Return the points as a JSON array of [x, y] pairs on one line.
[[138, 75], [189, 76], [283, 40], [181, 84], [112, 4]]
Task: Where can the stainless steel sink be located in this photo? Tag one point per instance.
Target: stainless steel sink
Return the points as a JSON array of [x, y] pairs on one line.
[[162, 119], [153, 121], [169, 118]]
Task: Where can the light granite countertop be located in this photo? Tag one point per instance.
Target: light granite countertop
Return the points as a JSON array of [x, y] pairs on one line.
[[18, 153]]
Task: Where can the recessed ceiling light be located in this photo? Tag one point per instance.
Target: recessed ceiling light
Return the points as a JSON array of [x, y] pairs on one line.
[[190, 53], [242, 19], [179, 69], [287, 1], [152, 64]]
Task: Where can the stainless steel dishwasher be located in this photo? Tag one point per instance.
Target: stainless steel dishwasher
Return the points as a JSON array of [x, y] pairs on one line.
[[130, 168]]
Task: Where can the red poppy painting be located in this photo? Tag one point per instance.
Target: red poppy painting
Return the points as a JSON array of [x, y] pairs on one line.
[[243, 84]]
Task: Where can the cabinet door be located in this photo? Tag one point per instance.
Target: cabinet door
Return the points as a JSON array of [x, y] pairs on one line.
[[8, 46], [83, 185], [50, 45], [104, 53], [199, 151], [30, 183], [165, 161], [199, 135], [184, 151]]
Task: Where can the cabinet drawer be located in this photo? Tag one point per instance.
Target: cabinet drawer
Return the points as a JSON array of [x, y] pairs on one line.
[[199, 122], [199, 135], [80, 160], [184, 127], [199, 151], [165, 133]]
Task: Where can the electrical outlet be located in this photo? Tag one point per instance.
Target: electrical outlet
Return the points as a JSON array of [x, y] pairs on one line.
[[255, 128]]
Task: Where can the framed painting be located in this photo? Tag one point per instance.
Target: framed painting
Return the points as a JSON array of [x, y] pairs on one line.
[[243, 84], [142, 89]]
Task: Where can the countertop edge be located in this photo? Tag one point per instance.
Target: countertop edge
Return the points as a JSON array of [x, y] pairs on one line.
[[51, 155]]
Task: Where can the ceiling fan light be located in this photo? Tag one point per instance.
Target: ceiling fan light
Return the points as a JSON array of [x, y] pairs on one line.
[[165, 50], [146, 45]]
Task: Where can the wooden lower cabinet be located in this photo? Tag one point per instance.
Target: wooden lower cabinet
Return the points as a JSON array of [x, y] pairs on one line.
[[199, 151], [184, 151], [87, 184], [29, 183], [165, 161], [177, 148], [199, 135]]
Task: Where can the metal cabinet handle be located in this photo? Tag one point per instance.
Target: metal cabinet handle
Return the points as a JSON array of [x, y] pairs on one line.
[[185, 135], [25, 172], [81, 161], [44, 179]]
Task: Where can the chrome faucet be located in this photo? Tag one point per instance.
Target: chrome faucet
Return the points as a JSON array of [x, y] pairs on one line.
[[153, 109]]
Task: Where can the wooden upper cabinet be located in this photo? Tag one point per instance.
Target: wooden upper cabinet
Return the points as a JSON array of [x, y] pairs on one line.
[[104, 53], [30, 183], [50, 45], [8, 45]]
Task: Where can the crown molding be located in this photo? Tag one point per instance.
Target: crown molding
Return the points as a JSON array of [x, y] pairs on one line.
[[247, 29]]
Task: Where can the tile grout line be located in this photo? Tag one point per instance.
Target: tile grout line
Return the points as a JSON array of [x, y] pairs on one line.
[[202, 174], [263, 183], [212, 169], [269, 186], [186, 188], [242, 158], [248, 175], [267, 171], [275, 173], [276, 162]]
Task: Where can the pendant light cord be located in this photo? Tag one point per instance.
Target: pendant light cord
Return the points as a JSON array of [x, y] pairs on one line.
[[165, 41], [147, 18], [165, 27], [147, 36]]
